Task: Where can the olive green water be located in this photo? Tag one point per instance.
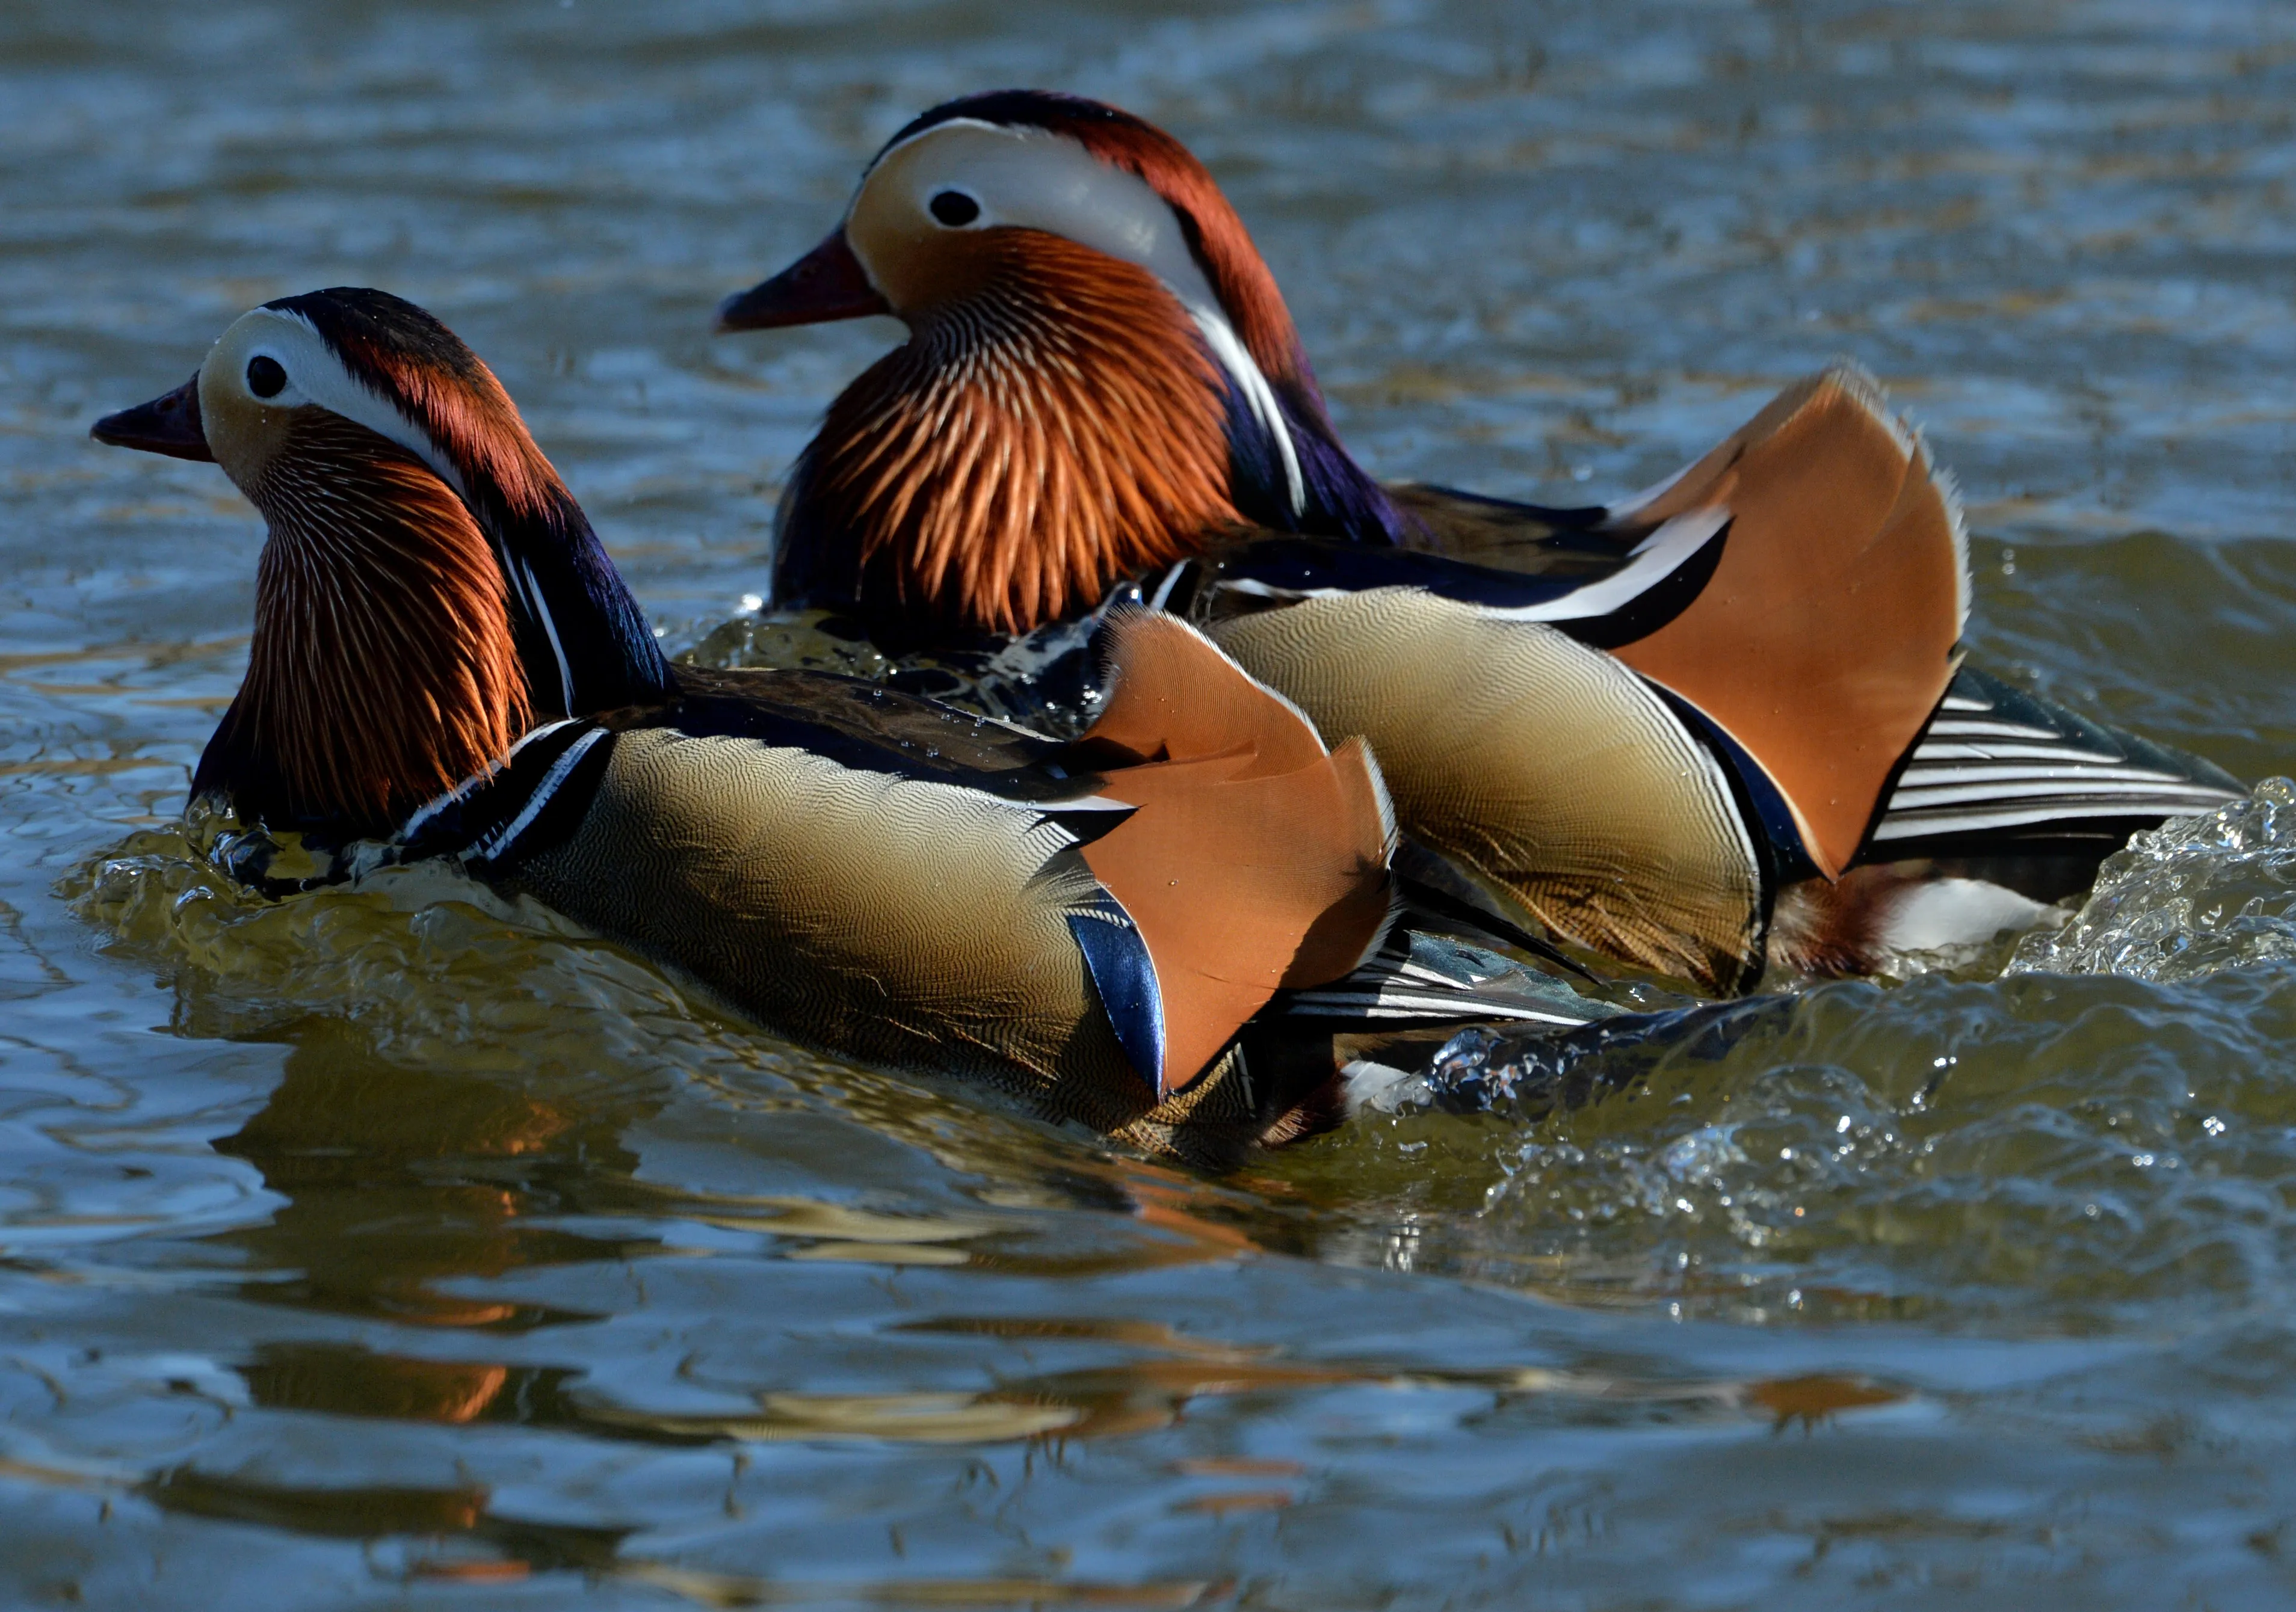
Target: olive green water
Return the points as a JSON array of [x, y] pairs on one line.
[[404, 1248]]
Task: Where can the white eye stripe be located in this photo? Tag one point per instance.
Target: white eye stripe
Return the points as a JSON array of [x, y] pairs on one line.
[[314, 375], [1035, 179]]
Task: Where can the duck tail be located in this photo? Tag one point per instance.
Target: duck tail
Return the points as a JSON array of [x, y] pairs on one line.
[[1255, 860], [1827, 633]]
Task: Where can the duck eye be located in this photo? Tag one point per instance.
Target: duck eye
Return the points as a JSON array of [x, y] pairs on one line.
[[265, 378], [954, 207]]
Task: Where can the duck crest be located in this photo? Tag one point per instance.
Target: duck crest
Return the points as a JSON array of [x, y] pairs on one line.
[[383, 669], [1059, 427]]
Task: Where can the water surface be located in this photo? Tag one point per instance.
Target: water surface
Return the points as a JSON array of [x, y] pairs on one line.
[[407, 1247]]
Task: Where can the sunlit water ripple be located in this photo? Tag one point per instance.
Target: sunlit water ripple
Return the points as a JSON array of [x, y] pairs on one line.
[[405, 1246]]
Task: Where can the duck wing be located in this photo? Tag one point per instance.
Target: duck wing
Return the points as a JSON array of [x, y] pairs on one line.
[[1799, 591]]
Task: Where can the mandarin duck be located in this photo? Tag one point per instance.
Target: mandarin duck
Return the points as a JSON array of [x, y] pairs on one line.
[[1722, 725], [1174, 929]]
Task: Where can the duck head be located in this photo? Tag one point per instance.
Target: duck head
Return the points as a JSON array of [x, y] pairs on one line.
[[428, 586], [1100, 374]]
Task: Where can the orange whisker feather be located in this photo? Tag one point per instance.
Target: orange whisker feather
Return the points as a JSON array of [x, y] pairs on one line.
[[382, 670], [1018, 458]]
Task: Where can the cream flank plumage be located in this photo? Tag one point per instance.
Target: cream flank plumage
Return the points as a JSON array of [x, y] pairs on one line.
[[1721, 724], [1118, 930]]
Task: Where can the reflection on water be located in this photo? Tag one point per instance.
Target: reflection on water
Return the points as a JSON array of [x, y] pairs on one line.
[[402, 1183], [405, 1244]]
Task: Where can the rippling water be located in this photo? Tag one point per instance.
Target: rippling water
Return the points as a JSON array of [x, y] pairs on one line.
[[407, 1247]]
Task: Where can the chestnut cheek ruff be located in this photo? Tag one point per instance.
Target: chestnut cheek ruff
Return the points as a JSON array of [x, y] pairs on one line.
[[383, 671], [1026, 449]]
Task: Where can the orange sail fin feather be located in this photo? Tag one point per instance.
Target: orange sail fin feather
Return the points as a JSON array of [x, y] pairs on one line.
[[1826, 635], [1017, 458], [1178, 697], [1257, 861], [382, 670]]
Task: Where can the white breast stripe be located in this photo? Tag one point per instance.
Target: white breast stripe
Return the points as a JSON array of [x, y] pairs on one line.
[[1221, 338], [547, 728], [1172, 580], [431, 808], [542, 614], [495, 843]]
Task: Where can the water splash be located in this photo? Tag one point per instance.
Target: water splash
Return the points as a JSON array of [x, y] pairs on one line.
[[2187, 900]]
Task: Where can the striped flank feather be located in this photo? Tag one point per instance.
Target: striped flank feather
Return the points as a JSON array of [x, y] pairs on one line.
[[1994, 759], [1416, 978]]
